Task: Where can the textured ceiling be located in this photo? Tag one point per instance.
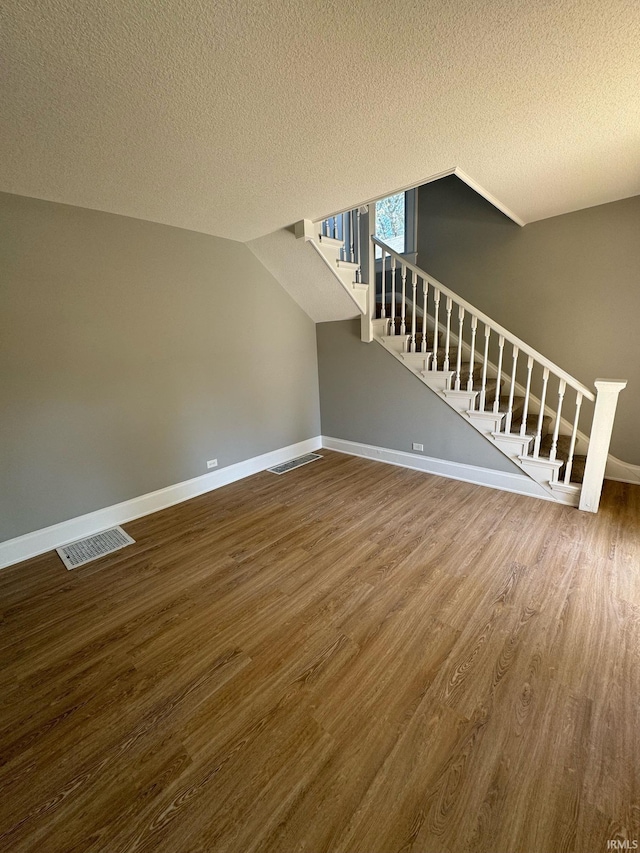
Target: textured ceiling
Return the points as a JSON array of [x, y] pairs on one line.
[[238, 118]]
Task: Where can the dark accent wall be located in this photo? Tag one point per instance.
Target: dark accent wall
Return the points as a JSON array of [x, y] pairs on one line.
[[569, 285]]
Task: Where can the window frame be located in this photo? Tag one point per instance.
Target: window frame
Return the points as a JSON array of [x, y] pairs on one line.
[[410, 227]]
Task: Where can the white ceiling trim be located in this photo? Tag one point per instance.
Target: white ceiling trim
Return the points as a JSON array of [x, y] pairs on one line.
[[455, 170], [489, 196]]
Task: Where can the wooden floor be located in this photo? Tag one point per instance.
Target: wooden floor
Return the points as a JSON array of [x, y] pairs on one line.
[[349, 657]]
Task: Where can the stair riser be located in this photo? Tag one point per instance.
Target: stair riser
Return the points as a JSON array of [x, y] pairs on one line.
[[418, 362], [541, 470], [437, 380], [461, 401], [512, 446], [485, 422], [569, 496], [395, 344]]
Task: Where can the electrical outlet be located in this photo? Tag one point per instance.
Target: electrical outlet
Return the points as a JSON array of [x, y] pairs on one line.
[[417, 446], [212, 463]]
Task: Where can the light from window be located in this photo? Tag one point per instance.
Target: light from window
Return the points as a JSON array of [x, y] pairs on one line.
[[390, 222]]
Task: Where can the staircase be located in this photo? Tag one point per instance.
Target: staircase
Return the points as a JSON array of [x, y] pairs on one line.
[[487, 409], [526, 406]]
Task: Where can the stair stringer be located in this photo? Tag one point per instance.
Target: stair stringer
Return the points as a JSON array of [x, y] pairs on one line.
[[329, 250], [557, 492]]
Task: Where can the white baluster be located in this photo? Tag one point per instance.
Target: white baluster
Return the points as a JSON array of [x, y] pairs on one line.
[[352, 233], [508, 419], [403, 303], [335, 227], [436, 328], [357, 242], [536, 443], [459, 359], [393, 295], [383, 312], [448, 334], [485, 362], [496, 402], [368, 267], [414, 289], [474, 327], [346, 233], [346, 236], [525, 411], [425, 288], [572, 446], [554, 443]]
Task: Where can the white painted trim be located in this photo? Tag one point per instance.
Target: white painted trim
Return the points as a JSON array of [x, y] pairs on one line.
[[502, 480], [445, 173], [469, 181], [622, 472], [454, 170], [40, 541]]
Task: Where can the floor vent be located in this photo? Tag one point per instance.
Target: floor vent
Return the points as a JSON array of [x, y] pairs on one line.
[[294, 463], [85, 550]]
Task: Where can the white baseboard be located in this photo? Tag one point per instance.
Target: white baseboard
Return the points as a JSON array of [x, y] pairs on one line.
[[622, 472], [503, 480], [40, 541]]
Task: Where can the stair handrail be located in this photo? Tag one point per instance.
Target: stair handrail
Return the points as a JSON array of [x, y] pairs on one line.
[[495, 327]]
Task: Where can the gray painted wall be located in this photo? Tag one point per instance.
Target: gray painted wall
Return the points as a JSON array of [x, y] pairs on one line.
[[366, 395], [130, 353], [569, 285]]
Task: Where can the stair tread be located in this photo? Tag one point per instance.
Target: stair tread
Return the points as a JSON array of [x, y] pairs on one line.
[[564, 442], [334, 242], [532, 424], [517, 406], [562, 454]]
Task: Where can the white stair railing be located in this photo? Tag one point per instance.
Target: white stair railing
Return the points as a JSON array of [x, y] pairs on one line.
[[518, 420]]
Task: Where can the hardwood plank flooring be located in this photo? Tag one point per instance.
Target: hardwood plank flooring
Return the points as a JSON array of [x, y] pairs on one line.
[[352, 657]]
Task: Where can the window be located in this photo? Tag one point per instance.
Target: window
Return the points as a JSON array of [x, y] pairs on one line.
[[396, 222]]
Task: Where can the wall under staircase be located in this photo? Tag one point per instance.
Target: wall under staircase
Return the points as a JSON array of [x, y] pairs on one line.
[[371, 405]]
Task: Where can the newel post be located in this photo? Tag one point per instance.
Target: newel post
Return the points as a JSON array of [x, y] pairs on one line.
[[603, 417], [368, 267]]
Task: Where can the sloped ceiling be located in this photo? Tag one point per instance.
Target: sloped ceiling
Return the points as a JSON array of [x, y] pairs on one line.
[[239, 118]]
